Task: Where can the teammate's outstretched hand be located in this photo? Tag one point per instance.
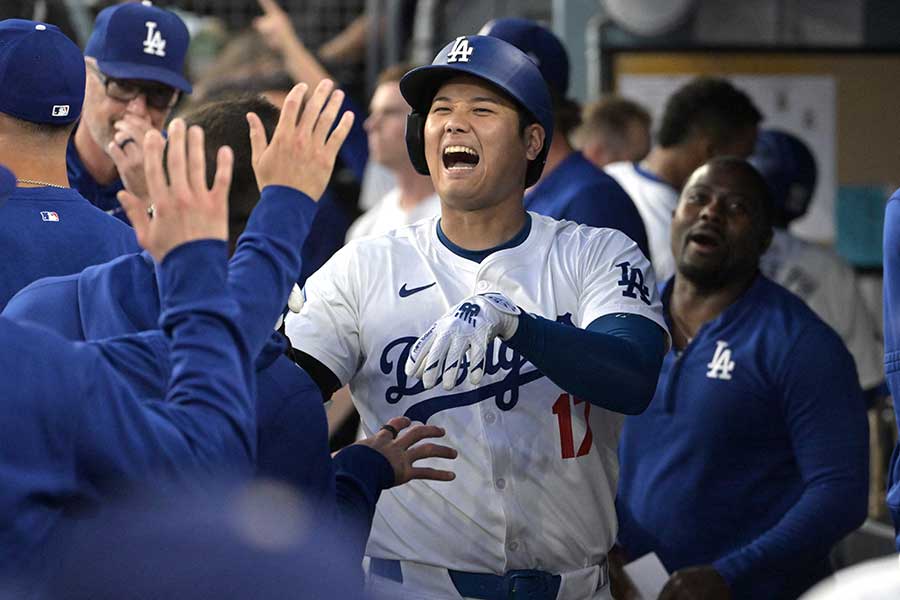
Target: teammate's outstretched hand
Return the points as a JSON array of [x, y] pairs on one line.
[[183, 209], [403, 450], [301, 153], [468, 328]]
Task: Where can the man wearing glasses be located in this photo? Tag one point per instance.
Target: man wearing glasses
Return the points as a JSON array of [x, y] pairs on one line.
[[135, 75]]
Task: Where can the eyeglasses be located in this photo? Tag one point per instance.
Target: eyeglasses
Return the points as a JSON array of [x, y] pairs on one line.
[[159, 96]]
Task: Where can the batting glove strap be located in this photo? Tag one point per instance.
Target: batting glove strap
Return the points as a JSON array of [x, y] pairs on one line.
[[508, 320]]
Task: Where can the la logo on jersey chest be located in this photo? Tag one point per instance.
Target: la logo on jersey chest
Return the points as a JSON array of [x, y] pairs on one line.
[[721, 365]]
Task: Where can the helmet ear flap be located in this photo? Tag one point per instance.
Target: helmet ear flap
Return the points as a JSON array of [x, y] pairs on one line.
[[415, 141]]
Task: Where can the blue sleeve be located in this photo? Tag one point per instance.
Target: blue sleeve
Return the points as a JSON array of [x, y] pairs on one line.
[[614, 363], [267, 259], [329, 229], [50, 302], [361, 474], [609, 206], [354, 153], [825, 416], [892, 343], [207, 416]]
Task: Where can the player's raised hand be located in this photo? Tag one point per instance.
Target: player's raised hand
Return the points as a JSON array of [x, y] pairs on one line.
[[301, 153], [401, 447], [182, 209], [467, 329]]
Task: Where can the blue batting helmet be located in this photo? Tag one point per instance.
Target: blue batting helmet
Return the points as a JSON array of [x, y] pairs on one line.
[[493, 60], [789, 168]]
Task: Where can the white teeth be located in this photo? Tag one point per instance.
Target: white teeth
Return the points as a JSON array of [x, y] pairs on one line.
[[465, 149]]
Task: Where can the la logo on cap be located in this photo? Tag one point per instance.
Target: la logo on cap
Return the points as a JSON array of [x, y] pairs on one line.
[[154, 44]]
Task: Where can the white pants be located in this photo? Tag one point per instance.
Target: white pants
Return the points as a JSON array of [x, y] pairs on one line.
[[424, 582]]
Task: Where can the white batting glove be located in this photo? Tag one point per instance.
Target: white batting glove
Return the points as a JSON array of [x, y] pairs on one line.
[[295, 304], [469, 327]]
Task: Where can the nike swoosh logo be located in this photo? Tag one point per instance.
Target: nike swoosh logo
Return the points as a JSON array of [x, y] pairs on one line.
[[404, 292]]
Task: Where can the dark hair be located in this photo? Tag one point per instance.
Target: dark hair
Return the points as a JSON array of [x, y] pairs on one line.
[[709, 105], [611, 117], [225, 124], [41, 129]]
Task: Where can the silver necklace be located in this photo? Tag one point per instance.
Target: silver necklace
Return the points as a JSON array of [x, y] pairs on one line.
[[35, 182]]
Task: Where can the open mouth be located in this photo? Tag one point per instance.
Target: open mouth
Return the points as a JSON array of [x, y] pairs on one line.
[[705, 240], [460, 158]]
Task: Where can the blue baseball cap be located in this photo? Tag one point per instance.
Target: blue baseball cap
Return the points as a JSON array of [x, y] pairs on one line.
[[539, 43], [7, 183], [140, 41], [41, 73], [788, 166]]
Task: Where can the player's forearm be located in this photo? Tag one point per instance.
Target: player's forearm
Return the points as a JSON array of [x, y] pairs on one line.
[[267, 261], [614, 363], [361, 474], [830, 446], [208, 417], [822, 516]]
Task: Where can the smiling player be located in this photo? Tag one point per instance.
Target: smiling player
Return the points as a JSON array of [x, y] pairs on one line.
[[536, 413]]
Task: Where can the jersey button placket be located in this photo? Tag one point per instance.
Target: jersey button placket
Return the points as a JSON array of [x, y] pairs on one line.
[[482, 286]]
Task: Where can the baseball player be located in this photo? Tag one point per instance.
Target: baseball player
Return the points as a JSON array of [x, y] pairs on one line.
[[135, 75], [813, 272], [892, 342], [613, 129], [752, 460], [570, 187], [48, 228], [538, 399], [706, 117]]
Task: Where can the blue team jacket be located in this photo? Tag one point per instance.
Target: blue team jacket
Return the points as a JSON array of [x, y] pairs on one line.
[[51, 231], [578, 191], [892, 342], [753, 453], [73, 432], [122, 297]]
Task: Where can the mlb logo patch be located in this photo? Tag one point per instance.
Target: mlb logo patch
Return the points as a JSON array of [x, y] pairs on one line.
[[49, 215], [60, 110]]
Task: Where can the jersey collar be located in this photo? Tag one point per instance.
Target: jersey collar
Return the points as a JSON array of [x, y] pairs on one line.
[[479, 255]]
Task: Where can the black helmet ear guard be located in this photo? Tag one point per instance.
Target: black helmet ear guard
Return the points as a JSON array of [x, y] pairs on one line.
[[415, 141]]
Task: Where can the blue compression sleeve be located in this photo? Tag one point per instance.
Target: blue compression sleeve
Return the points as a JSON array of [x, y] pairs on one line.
[[614, 363]]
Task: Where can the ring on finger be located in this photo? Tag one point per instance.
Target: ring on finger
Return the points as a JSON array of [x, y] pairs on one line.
[[125, 142], [151, 210], [393, 430]]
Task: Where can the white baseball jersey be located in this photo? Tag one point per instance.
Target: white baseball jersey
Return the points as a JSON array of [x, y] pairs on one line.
[[656, 201], [387, 214], [537, 469], [828, 285]]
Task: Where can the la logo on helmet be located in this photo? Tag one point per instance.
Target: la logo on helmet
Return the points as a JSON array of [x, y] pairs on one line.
[[154, 44], [460, 52]]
